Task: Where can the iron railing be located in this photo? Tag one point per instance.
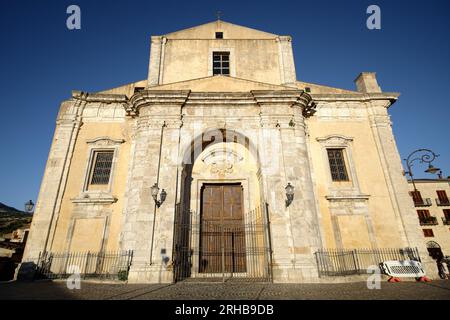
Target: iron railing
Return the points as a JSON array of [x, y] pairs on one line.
[[344, 262], [442, 202], [423, 202], [104, 265], [428, 221]]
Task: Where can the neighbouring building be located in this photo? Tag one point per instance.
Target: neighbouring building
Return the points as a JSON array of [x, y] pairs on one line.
[[222, 164], [20, 234], [432, 203]]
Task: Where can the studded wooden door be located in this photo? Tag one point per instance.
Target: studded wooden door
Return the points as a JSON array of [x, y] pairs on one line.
[[222, 234]]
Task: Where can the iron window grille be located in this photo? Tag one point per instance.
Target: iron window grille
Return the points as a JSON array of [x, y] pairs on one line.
[[221, 63], [337, 165], [102, 167]]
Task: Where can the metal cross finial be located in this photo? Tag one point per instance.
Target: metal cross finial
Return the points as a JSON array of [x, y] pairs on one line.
[[219, 14]]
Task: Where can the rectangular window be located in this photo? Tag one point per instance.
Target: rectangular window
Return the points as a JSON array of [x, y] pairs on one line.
[[337, 164], [219, 35], [101, 169], [442, 197], [428, 232], [221, 63], [447, 214], [423, 214], [417, 197]]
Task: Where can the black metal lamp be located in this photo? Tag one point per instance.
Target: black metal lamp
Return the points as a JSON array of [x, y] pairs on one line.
[[431, 169], [421, 155], [154, 191], [29, 206], [289, 194]]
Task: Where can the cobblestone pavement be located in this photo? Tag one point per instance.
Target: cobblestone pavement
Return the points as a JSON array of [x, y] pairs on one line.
[[436, 290]]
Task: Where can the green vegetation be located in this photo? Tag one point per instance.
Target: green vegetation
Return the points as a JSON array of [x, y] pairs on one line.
[[12, 219]]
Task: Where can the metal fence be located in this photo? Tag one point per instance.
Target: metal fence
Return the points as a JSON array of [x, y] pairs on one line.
[[104, 265], [343, 262], [222, 251]]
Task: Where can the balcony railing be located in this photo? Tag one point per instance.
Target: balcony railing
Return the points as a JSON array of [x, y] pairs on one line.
[[445, 202], [446, 221], [424, 203], [428, 221]]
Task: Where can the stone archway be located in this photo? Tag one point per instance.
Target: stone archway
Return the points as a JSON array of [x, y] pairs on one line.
[[434, 250], [221, 225]]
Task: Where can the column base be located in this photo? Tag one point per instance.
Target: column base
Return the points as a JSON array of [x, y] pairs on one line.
[[25, 271], [300, 272], [156, 273]]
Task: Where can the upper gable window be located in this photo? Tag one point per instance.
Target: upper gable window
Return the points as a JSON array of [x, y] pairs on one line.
[[219, 35], [221, 63]]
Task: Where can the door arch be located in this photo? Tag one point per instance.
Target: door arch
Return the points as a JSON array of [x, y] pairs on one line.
[[434, 250], [226, 159]]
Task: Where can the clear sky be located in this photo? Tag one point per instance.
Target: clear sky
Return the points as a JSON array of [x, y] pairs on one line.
[[41, 61]]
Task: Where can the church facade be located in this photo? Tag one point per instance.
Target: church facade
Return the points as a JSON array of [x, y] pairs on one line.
[[222, 163]]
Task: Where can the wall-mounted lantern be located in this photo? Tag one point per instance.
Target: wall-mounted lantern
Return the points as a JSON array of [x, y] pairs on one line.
[[29, 206], [289, 194], [155, 191]]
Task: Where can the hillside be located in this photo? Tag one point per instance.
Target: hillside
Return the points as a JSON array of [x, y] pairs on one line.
[[12, 219]]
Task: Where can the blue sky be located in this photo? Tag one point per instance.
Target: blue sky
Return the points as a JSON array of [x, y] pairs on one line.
[[41, 61]]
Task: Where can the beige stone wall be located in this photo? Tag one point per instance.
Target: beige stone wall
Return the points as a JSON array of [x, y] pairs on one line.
[[354, 213], [254, 55], [191, 59], [91, 219]]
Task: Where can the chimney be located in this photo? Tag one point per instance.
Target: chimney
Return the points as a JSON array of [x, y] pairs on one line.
[[366, 82]]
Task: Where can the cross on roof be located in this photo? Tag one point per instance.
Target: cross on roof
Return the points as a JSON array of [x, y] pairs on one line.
[[219, 14]]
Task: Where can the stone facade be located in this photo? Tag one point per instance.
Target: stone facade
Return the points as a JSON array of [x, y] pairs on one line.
[[258, 126]]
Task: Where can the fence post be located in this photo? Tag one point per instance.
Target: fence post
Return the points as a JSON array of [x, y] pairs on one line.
[[355, 260], [86, 266]]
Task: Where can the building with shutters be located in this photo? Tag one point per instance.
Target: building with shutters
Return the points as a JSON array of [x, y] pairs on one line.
[[432, 204]]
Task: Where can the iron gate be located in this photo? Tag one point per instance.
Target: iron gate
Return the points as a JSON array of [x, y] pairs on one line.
[[206, 251]]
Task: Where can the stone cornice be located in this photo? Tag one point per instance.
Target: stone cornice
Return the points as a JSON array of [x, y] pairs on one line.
[[157, 97], [358, 197], [220, 98], [99, 97], [105, 141], [94, 199], [363, 97], [296, 98]]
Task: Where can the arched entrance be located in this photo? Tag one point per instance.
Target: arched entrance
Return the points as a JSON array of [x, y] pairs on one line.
[[221, 229], [435, 251]]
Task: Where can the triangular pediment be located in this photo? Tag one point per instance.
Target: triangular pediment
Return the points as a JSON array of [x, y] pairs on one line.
[[230, 31], [219, 84]]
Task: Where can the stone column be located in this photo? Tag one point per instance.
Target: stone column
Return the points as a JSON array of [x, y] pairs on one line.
[[294, 228], [397, 184], [53, 183], [147, 229]]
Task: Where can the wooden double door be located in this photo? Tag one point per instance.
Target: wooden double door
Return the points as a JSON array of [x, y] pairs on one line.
[[222, 229]]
